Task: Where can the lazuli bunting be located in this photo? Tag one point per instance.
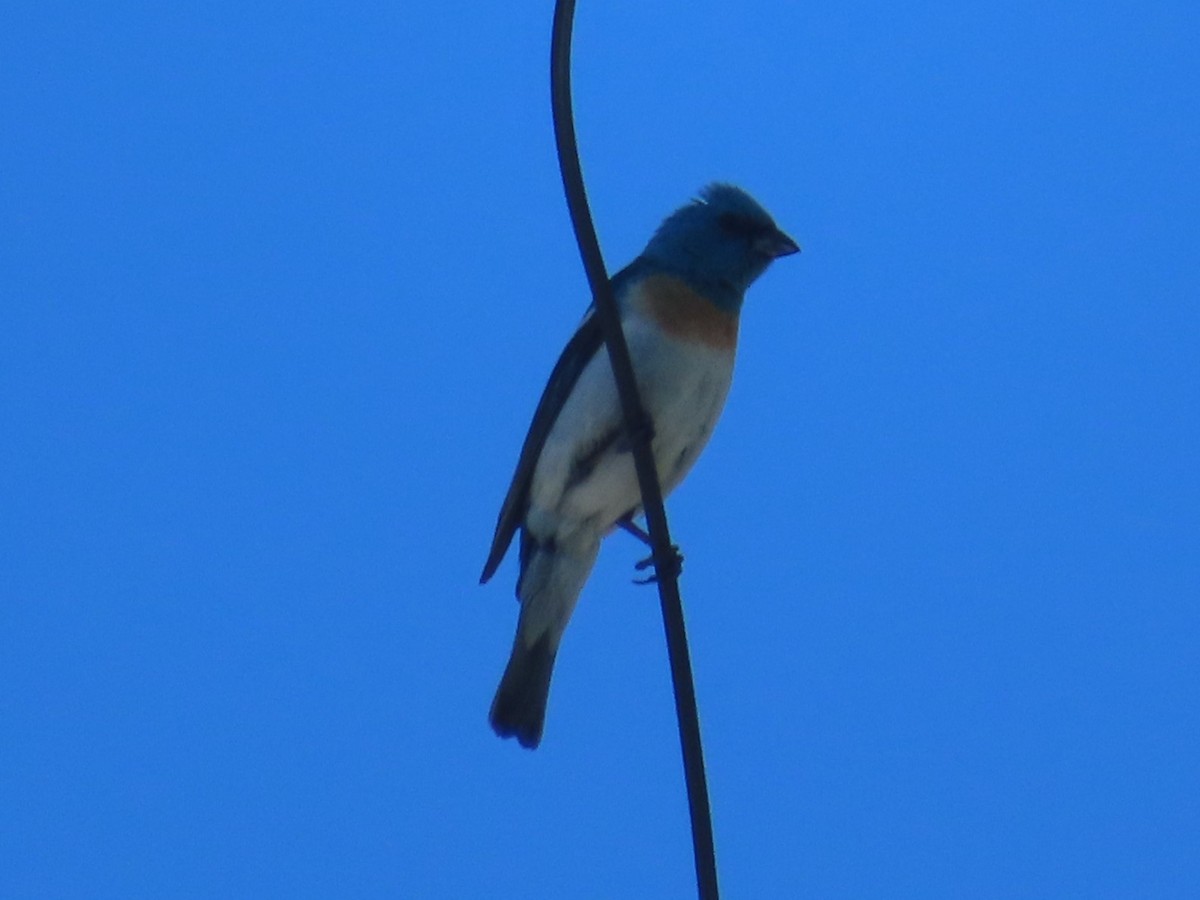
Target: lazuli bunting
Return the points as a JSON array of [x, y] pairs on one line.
[[679, 303]]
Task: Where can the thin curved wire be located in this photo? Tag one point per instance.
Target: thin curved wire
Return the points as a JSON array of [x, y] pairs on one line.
[[639, 429]]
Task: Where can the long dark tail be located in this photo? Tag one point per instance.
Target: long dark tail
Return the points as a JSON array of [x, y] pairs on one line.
[[551, 579], [519, 709]]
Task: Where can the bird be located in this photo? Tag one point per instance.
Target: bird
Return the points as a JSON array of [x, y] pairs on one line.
[[679, 303]]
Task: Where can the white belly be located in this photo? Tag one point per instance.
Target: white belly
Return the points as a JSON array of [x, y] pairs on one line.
[[683, 388]]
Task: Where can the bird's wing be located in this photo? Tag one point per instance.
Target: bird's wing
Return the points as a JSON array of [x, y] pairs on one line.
[[575, 356], [587, 340]]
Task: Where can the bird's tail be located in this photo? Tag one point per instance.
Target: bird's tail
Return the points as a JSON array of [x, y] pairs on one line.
[[549, 587]]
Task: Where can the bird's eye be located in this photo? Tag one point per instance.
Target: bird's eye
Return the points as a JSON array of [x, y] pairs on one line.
[[729, 222], [736, 224]]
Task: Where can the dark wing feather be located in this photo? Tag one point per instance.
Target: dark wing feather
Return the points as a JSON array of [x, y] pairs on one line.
[[579, 351], [577, 354]]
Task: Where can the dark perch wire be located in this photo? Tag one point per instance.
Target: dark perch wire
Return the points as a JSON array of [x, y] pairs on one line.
[[638, 427]]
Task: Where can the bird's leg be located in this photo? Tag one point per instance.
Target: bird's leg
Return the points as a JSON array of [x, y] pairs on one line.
[[675, 566], [643, 429], [626, 523]]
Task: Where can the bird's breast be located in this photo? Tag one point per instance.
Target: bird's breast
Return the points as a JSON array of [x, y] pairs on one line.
[[684, 314], [585, 477]]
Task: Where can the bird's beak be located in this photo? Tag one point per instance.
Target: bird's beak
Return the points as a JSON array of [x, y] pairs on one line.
[[776, 244]]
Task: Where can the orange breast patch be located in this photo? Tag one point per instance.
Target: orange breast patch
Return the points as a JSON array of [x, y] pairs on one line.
[[685, 314]]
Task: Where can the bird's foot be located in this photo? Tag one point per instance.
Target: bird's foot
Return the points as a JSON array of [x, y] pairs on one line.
[[674, 567]]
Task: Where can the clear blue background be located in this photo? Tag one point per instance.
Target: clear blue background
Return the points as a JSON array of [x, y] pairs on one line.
[[279, 287]]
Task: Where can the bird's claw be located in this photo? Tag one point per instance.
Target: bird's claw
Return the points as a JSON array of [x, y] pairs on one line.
[[674, 567]]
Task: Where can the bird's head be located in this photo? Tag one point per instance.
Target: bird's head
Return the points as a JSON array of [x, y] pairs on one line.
[[719, 243]]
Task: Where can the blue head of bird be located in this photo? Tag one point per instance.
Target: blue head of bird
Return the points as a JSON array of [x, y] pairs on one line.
[[719, 244]]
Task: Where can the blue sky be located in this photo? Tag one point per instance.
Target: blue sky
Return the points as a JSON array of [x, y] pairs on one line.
[[281, 285]]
